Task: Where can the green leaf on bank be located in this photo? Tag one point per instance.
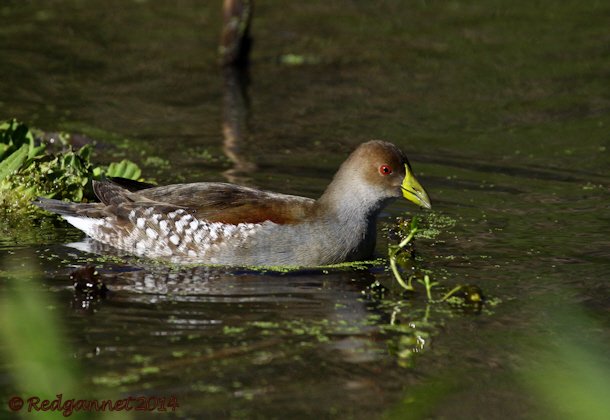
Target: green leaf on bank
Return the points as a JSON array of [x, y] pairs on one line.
[[13, 162], [124, 169], [29, 169]]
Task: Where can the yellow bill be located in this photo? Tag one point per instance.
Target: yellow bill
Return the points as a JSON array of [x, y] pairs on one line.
[[413, 191]]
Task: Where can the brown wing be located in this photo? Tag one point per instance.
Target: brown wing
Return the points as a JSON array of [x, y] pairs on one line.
[[118, 201], [220, 202]]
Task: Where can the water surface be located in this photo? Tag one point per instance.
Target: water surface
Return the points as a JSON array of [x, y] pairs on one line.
[[504, 112]]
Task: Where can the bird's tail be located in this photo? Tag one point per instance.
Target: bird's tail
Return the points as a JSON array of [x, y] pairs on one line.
[[56, 206]]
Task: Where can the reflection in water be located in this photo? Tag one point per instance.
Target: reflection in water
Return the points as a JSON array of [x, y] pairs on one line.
[[235, 40], [344, 314], [234, 124]]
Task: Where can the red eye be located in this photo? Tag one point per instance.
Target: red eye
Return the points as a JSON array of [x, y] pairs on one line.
[[385, 170]]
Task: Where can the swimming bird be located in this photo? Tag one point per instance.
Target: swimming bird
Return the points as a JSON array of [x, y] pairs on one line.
[[227, 224]]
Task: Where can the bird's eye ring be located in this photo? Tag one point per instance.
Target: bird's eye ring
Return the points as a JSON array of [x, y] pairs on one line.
[[385, 170]]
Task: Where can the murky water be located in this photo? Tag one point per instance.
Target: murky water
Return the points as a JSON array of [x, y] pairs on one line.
[[504, 110]]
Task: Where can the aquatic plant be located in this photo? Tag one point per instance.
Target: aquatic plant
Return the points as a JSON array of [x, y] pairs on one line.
[[398, 255], [395, 250], [29, 168]]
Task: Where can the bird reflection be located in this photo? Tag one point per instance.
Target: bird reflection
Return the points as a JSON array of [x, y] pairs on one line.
[[338, 310]]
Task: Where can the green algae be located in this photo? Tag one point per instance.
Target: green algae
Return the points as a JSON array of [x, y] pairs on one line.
[[298, 59], [178, 267], [324, 269], [116, 379], [433, 224]]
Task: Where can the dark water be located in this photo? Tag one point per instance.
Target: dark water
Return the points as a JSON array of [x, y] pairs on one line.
[[504, 110]]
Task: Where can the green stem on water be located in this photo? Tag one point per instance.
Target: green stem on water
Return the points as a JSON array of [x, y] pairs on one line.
[[428, 285], [393, 265], [451, 293]]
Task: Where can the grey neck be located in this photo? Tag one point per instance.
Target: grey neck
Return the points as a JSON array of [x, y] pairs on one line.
[[354, 213]]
